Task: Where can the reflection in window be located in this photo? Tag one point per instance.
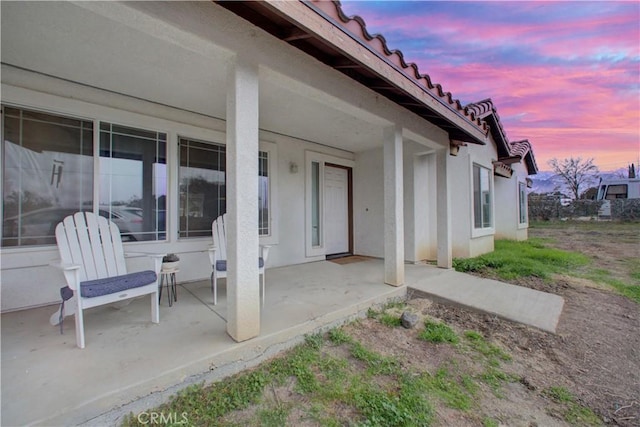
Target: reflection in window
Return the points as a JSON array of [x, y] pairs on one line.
[[263, 193], [47, 174], [203, 193], [315, 204], [133, 181], [202, 181], [481, 197], [522, 198]]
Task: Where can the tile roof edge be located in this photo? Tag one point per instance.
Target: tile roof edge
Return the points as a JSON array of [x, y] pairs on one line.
[[421, 80]]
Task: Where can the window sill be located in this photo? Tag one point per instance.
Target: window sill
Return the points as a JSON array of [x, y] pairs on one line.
[[482, 232]]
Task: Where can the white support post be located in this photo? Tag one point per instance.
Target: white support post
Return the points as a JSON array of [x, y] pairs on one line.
[[393, 207], [243, 286], [445, 259]]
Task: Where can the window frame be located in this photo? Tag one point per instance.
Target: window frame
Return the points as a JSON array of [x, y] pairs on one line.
[[523, 204], [61, 115], [272, 238], [97, 171], [490, 229]]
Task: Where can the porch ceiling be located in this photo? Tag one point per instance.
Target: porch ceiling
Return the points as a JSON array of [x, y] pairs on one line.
[[73, 42], [441, 110]]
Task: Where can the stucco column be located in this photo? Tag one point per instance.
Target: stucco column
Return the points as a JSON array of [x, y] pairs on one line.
[[243, 292], [443, 211], [393, 207]]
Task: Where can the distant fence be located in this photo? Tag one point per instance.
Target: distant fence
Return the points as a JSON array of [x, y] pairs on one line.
[[549, 208]]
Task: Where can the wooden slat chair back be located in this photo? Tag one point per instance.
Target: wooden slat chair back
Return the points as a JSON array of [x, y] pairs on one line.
[[93, 263], [218, 257]]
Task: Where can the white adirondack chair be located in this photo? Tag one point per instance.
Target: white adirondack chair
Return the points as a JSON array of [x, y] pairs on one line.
[[218, 257], [94, 267]]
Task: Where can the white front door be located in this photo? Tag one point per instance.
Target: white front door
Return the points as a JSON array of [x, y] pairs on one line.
[[336, 210]]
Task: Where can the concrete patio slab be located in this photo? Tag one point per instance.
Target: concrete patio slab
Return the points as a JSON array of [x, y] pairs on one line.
[[131, 365], [519, 304]]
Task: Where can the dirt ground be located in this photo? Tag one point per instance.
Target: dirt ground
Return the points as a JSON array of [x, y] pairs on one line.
[[595, 353]]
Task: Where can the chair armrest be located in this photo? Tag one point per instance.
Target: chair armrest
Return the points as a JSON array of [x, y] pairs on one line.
[[212, 254], [157, 259], [264, 252], [149, 254], [65, 266], [71, 273]]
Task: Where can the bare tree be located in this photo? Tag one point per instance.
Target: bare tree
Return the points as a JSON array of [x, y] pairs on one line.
[[576, 173]]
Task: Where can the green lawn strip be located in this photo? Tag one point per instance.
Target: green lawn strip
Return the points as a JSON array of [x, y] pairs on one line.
[[512, 259], [573, 412]]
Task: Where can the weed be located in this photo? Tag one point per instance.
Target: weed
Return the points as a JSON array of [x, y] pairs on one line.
[[574, 413], [371, 313], [494, 378], [490, 422], [477, 341], [379, 407], [273, 416], [376, 363], [447, 389], [390, 320], [314, 341], [559, 394], [438, 332], [338, 336]]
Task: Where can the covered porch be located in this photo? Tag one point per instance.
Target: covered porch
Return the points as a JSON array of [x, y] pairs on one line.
[[128, 358]]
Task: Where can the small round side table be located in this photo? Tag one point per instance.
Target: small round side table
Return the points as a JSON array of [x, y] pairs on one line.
[[169, 277]]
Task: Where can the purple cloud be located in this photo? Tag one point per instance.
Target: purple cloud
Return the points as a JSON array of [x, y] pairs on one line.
[[565, 75]]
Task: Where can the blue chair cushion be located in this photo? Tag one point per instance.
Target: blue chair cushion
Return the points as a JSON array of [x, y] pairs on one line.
[[112, 285], [221, 264]]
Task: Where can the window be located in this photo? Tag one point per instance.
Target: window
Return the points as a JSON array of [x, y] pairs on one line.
[[618, 191], [263, 193], [481, 197], [47, 174], [202, 182], [522, 199], [133, 181], [315, 204], [201, 179]]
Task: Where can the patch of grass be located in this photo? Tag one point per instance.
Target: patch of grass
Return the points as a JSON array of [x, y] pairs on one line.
[[273, 417], [437, 332], [559, 394], [494, 378], [339, 336], [600, 275], [574, 413], [489, 422], [443, 385], [477, 341], [407, 406], [512, 259], [377, 364], [390, 320]]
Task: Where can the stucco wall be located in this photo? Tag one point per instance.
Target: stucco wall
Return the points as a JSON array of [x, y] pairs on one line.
[[467, 241], [368, 203]]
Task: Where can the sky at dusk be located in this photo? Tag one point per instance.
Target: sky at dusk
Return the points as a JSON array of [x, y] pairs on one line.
[[564, 75]]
